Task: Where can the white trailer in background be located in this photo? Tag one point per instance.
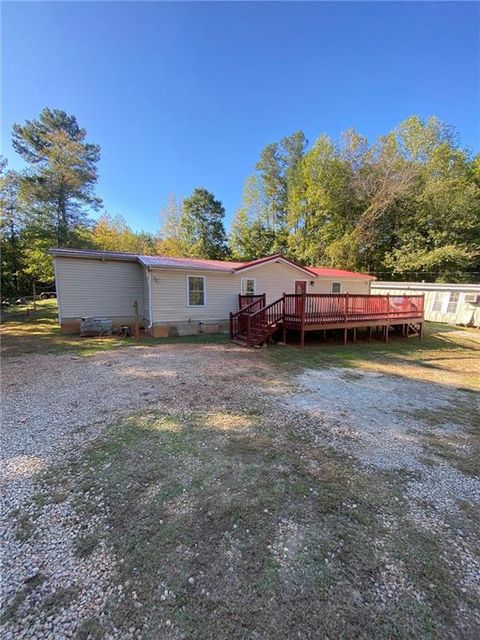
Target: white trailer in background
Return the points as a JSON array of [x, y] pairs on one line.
[[450, 303]]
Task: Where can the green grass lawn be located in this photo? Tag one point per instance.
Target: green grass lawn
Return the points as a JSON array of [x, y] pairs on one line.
[[25, 330], [444, 349]]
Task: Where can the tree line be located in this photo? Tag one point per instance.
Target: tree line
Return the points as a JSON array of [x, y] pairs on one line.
[[404, 207]]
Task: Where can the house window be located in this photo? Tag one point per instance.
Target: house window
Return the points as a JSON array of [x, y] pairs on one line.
[[453, 302], [438, 301], [196, 291], [336, 287], [248, 287]]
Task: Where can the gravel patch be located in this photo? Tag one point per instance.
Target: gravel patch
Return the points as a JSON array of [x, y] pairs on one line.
[[369, 413], [375, 418], [52, 406]]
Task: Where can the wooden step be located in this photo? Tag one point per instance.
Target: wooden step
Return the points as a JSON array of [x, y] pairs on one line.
[[413, 330], [239, 340]]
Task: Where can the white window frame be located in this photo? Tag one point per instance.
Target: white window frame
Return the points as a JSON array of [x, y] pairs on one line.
[[254, 286], [438, 301], [340, 287], [453, 302], [196, 306]]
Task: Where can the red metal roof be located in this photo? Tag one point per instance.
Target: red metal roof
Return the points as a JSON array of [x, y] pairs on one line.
[[189, 263], [204, 264], [339, 273]]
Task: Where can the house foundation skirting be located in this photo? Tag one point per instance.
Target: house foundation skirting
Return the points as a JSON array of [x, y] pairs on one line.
[[72, 325], [188, 328]]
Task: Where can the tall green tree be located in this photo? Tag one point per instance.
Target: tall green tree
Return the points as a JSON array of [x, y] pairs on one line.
[[169, 241], [439, 231], [59, 184], [112, 233], [10, 230], [278, 170], [201, 224], [250, 236], [320, 205], [405, 206]]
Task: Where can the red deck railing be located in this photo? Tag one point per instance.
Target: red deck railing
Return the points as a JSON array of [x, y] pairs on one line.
[[260, 323], [256, 321], [238, 320], [328, 308], [245, 300]]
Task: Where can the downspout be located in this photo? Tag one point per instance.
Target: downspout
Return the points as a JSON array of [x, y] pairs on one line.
[[150, 314], [57, 290]]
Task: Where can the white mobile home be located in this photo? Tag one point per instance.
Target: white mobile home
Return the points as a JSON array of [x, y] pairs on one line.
[[451, 303], [180, 295]]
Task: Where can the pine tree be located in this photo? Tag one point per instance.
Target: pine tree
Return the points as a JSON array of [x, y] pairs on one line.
[[202, 230]]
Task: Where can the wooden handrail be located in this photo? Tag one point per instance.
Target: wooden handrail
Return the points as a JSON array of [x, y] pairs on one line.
[[237, 318], [255, 298], [318, 308], [260, 322], [246, 307]]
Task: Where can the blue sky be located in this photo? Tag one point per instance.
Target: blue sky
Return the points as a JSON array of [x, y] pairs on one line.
[[181, 95]]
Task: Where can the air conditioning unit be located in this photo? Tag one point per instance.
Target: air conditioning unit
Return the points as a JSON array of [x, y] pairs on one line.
[[472, 298], [95, 326]]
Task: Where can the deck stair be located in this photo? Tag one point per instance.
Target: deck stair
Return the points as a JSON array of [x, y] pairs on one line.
[[255, 324], [412, 330]]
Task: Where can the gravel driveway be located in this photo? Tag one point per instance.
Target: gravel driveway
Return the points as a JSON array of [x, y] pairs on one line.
[[53, 405]]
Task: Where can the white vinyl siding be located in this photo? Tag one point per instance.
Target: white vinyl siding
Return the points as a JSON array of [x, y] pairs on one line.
[[146, 311], [347, 285], [170, 290], [437, 300], [170, 296], [89, 287]]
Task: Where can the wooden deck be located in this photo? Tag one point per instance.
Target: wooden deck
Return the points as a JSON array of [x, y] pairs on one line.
[[256, 322]]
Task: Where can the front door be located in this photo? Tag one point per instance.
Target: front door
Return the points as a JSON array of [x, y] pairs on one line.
[[300, 287]]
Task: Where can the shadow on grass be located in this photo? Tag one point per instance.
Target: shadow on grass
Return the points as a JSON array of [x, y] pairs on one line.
[[27, 331], [430, 352]]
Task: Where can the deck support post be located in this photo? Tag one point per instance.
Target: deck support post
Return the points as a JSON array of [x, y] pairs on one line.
[[345, 336], [385, 333], [324, 334], [284, 334], [420, 333], [370, 330], [304, 304], [354, 334]]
